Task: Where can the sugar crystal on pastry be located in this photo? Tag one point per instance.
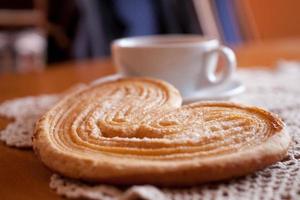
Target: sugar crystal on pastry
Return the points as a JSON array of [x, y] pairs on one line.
[[135, 131]]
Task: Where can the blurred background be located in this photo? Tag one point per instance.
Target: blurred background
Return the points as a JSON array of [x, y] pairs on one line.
[[38, 34]]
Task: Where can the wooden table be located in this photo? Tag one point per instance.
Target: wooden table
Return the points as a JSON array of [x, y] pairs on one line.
[[267, 53], [22, 176]]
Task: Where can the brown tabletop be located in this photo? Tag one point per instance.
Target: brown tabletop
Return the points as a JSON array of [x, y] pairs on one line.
[[22, 176]]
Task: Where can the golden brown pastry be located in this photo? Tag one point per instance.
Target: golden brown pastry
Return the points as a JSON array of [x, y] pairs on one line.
[[135, 131]]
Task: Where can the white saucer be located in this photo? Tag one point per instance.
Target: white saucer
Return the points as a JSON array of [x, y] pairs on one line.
[[224, 92]]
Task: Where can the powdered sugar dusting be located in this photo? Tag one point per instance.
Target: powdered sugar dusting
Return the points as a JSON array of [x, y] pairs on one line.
[[276, 91]]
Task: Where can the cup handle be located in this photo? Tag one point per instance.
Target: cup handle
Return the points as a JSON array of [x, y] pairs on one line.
[[227, 70]]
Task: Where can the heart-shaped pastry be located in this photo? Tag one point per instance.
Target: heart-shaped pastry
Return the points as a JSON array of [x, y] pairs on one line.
[[135, 131]]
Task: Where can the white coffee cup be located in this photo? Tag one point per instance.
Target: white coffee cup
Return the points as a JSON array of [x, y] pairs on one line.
[[187, 61]]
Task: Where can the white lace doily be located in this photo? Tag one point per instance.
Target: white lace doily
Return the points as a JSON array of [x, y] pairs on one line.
[[278, 91], [23, 112]]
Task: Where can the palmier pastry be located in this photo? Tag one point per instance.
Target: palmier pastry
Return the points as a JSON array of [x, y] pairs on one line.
[[135, 131]]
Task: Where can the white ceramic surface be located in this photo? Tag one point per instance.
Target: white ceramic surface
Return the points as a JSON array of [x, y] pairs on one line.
[[186, 61], [223, 92]]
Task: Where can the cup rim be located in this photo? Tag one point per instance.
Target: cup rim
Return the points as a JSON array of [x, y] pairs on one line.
[[145, 41]]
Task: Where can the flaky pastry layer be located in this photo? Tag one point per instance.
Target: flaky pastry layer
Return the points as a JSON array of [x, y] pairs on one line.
[[135, 131]]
